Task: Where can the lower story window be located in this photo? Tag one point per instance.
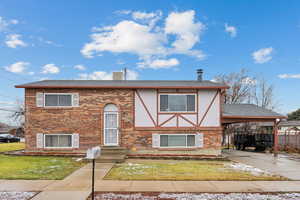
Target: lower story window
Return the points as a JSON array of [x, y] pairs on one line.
[[58, 140], [177, 140]]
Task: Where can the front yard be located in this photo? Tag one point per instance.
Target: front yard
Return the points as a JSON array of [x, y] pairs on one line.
[[37, 167], [4, 147], [187, 170]]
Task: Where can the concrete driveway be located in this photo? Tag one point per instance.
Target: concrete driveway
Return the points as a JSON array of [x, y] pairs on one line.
[[284, 165]]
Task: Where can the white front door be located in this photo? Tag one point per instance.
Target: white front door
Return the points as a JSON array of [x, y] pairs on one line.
[[111, 128]]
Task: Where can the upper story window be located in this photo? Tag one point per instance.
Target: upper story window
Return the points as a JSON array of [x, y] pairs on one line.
[[177, 102], [58, 100]]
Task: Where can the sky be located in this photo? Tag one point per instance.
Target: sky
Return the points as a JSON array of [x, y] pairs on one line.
[[154, 40]]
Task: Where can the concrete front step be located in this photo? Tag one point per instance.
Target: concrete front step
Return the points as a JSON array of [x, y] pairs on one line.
[[111, 150], [113, 158]]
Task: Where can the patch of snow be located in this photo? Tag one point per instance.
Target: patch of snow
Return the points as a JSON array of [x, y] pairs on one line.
[[78, 159], [248, 168], [16, 195], [202, 196]]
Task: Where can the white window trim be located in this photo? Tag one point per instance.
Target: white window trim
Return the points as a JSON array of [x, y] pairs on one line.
[[58, 94], [44, 141], [195, 96], [169, 147], [104, 128]]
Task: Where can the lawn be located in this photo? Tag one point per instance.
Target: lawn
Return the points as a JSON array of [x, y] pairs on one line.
[[11, 146], [187, 170], [37, 167]]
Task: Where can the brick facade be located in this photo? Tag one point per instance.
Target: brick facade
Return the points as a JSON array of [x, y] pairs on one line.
[[87, 120]]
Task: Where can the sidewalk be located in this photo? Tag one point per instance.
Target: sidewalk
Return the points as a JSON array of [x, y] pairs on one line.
[[77, 186]]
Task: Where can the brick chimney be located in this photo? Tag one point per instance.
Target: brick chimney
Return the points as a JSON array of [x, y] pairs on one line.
[[117, 76]]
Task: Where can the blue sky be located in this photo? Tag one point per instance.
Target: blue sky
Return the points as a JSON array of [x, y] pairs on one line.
[[153, 39]]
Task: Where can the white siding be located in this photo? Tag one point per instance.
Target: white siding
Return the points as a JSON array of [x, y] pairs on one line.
[[142, 118], [170, 123], [212, 117], [191, 118]]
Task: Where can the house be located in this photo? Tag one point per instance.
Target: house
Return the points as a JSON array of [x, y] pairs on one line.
[[144, 117], [284, 127]]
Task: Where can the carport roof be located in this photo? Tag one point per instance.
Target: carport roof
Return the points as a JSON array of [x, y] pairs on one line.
[[248, 112]]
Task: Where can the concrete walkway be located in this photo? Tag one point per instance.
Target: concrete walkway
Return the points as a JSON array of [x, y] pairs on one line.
[[77, 186], [284, 165]]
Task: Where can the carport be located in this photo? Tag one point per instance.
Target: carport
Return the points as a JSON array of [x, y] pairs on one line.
[[242, 113]]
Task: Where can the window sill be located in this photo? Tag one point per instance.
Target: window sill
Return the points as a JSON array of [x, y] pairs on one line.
[[177, 149]]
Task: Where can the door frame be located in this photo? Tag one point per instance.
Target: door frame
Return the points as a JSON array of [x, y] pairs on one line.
[[104, 128]]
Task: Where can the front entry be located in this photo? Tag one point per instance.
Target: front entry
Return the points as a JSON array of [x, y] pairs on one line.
[[111, 125]]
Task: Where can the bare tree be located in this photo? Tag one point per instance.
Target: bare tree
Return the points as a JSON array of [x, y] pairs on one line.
[[263, 94], [19, 113], [240, 84]]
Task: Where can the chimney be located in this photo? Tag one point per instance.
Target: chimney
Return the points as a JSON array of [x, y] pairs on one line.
[[118, 76], [200, 74]]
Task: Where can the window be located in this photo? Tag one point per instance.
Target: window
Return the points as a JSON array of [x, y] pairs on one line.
[[177, 140], [58, 140], [177, 102], [58, 100]]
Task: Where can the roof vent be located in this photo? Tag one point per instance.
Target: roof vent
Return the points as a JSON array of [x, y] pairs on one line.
[[117, 76], [200, 74]]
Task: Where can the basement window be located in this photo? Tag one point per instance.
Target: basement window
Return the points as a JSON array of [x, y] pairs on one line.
[[177, 140], [177, 102], [58, 140], [58, 100]]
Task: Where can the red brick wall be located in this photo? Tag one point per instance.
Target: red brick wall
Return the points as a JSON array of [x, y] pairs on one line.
[[87, 119]]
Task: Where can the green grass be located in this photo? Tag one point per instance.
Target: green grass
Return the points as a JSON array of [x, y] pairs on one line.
[[37, 167], [11, 146], [182, 170]]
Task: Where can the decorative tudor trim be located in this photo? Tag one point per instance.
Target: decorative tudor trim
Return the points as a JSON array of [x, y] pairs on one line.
[[145, 107], [208, 108]]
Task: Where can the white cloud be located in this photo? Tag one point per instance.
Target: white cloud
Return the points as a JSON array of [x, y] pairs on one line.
[[4, 24], [249, 81], [185, 28], [231, 30], [142, 37], [50, 69], [143, 15], [160, 63], [80, 67], [262, 55], [14, 40], [289, 76], [18, 67], [102, 75]]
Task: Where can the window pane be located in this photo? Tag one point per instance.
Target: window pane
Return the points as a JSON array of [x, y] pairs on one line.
[[190, 102], [65, 141], [191, 140], [58, 141], [111, 120], [177, 102], [177, 140], [65, 100], [163, 102], [164, 140], [51, 140], [51, 100]]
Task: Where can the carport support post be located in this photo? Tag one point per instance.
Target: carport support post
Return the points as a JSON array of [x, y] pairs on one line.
[[275, 132]]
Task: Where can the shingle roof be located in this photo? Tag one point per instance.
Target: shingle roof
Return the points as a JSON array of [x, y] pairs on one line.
[[248, 111], [121, 84]]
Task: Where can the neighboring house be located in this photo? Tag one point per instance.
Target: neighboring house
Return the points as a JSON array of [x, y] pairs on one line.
[[145, 117], [284, 127]]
